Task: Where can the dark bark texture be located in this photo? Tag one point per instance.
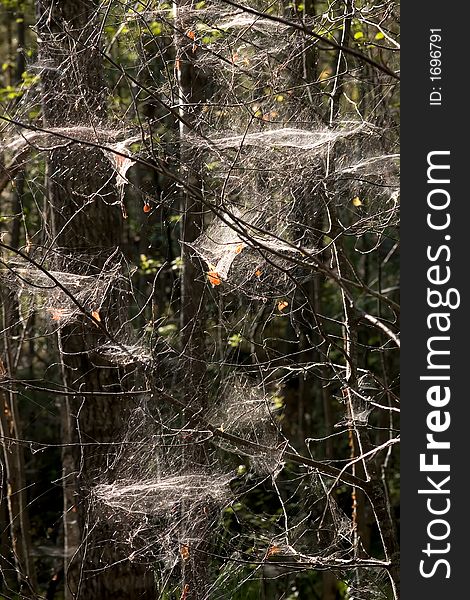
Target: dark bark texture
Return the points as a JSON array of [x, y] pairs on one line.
[[86, 227]]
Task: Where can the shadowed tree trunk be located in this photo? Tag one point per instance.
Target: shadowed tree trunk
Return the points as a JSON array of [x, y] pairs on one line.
[[16, 511], [191, 85], [84, 222], [15, 487]]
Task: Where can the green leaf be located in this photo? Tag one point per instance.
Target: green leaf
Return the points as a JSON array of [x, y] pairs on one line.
[[167, 330], [155, 27], [235, 340]]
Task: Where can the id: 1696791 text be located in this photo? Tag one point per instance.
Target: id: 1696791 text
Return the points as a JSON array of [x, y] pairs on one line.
[[435, 67]]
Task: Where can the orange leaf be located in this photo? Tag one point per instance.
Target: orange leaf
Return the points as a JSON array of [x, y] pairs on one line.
[[184, 551], [282, 305], [56, 313], [96, 315], [258, 273], [214, 278], [239, 248], [272, 550], [191, 35], [147, 208]]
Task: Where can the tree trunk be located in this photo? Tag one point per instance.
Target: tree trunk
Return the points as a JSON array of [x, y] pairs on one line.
[[191, 87], [10, 424], [13, 460], [84, 228]]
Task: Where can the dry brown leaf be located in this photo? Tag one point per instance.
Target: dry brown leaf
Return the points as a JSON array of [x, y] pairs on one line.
[[184, 551], [185, 592], [3, 371]]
